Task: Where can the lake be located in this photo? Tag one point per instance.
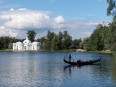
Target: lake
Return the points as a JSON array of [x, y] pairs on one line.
[[47, 69]]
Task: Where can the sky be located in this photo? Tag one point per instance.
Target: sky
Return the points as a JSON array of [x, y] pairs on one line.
[[78, 17]]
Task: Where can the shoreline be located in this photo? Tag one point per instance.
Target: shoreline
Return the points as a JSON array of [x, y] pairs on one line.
[[72, 50]]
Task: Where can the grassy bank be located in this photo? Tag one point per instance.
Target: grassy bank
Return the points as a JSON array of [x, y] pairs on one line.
[[102, 52], [70, 50], [6, 50]]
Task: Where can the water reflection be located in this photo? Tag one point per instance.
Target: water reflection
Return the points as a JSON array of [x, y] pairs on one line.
[[99, 74], [30, 70], [113, 68], [48, 70], [19, 71], [68, 68]]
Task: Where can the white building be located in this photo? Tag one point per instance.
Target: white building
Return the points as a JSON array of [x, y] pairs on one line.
[[26, 46]]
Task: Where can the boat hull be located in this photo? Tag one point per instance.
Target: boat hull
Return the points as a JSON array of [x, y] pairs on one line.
[[81, 63]]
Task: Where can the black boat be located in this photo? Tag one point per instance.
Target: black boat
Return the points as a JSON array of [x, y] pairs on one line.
[[81, 63]]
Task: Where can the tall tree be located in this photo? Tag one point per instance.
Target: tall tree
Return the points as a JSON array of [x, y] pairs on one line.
[[60, 37], [50, 35], [97, 38], [112, 36], [67, 40], [31, 35], [6, 42], [54, 45], [83, 44], [76, 43], [111, 9]]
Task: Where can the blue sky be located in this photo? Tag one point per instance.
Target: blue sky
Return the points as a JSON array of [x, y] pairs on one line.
[[79, 17]]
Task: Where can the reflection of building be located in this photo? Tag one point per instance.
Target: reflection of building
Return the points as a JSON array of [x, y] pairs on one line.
[[26, 45]]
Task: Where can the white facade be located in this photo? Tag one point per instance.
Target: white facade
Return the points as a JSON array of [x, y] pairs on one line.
[[26, 46]]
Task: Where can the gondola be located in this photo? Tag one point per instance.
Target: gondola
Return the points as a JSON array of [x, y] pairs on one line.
[[81, 63]]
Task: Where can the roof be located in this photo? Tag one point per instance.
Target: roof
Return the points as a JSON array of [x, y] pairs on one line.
[[26, 41]]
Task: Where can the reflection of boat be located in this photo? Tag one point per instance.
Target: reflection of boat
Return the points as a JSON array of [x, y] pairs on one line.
[[81, 63]]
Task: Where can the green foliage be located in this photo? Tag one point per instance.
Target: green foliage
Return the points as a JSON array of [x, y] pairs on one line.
[[97, 40], [6, 42], [111, 9], [31, 35], [103, 38], [112, 36], [51, 42], [67, 40], [84, 43], [76, 44], [54, 45], [60, 41]]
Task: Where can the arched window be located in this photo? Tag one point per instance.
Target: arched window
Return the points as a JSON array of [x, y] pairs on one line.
[[33, 47], [25, 47]]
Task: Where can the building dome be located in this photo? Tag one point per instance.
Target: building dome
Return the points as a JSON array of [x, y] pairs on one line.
[[14, 44], [26, 45], [27, 41], [35, 43], [19, 43]]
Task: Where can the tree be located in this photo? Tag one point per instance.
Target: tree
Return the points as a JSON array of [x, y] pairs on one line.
[[31, 35], [97, 39], [112, 37], [76, 43], [111, 9], [59, 37], [83, 44], [50, 35], [55, 42], [42, 41], [54, 45], [6, 42], [67, 40]]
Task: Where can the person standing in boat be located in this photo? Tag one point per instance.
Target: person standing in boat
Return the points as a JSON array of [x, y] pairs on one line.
[[69, 57]]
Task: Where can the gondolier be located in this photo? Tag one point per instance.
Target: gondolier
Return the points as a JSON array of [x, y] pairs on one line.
[[70, 57]]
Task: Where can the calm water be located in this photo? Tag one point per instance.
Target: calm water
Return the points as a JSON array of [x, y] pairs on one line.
[[44, 69]]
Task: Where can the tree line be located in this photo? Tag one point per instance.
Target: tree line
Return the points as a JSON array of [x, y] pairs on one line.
[[60, 41], [50, 42], [102, 38], [6, 42]]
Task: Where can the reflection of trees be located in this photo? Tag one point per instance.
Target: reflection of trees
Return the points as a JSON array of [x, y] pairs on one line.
[[69, 68], [102, 70], [106, 69], [113, 67]]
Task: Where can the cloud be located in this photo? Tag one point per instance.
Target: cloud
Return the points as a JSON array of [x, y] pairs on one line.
[[22, 9], [20, 19], [81, 28], [17, 22], [58, 22], [59, 19], [7, 32]]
